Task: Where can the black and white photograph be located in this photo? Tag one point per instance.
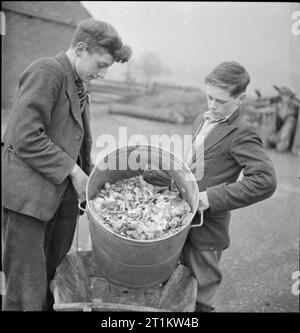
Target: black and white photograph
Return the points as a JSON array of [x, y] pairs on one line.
[[150, 159]]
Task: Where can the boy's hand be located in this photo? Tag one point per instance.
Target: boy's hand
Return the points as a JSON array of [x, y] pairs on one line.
[[203, 201], [79, 179]]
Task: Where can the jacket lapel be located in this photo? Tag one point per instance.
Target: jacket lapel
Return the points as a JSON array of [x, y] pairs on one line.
[[198, 125], [220, 131], [70, 87]]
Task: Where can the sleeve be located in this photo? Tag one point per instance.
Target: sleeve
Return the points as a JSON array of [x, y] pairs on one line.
[[259, 177], [37, 94]]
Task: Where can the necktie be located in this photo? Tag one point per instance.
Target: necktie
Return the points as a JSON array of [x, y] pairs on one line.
[[81, 92], [197, 149]]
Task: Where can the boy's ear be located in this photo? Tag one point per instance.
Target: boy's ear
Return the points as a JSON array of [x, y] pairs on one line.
[[242, 97], [80, 47]]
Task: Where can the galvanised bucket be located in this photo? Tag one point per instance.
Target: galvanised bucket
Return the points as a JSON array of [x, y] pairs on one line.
[[129, 262]]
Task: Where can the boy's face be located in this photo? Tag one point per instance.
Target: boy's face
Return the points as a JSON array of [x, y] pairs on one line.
[[89, 66], [219, 101]]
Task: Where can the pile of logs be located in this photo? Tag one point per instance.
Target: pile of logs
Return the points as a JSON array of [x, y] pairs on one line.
[[171, 105], [158, 114]]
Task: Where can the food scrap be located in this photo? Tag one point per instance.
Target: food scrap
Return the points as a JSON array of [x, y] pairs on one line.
[[136, 209]]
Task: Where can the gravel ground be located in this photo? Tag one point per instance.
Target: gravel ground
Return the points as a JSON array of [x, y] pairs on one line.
[[264, 251]]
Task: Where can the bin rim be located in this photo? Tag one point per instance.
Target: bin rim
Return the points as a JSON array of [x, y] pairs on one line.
[[90, 210]]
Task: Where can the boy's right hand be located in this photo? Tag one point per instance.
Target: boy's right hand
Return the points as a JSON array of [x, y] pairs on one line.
[[79, 179]]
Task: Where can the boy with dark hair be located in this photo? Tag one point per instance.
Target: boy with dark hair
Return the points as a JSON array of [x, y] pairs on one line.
[[46, 161], [229, 145]]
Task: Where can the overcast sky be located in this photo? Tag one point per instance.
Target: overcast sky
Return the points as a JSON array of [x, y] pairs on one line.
[[193, 37]]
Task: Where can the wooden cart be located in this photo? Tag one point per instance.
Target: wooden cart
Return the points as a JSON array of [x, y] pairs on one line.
[[78, 286]]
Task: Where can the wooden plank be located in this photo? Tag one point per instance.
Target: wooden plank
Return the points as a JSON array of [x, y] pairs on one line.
[[71, 281], [79, 286], [106, 292], [97, 83], [180, 292], [152, 114], [121, 88], [88, 306], [99, 98], [111, 91]]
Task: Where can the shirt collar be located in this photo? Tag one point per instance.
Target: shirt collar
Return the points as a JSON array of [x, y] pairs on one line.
[[76, 77], [210, 117]]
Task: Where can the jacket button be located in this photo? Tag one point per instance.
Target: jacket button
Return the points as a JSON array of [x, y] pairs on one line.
[[78, 137]]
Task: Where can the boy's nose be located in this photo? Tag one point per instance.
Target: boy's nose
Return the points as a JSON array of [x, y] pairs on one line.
[[213, 105], [102, 73]]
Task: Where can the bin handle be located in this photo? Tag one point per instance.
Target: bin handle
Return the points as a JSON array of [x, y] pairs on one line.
[[82, 209], [201, 221], [77, 228]]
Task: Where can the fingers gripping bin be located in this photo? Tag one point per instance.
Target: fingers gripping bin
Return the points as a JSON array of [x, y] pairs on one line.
[[129, 262]]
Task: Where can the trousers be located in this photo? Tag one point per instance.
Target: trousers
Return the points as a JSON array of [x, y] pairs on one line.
[[204, 265], [31, 251]]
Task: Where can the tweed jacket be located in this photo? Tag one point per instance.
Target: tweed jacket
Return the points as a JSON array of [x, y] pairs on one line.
[[229, 148], [45, 136]]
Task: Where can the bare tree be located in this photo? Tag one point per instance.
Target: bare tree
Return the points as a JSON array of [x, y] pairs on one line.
[[128, 73], [150, 66]]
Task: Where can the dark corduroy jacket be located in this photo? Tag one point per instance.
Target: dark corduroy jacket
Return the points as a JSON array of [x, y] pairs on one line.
[[45, 136], [230, 147]]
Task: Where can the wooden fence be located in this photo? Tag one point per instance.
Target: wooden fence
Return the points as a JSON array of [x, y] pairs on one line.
[[110, 91]]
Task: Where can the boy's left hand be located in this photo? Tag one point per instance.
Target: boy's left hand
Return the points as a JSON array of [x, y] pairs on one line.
[[203, 201]]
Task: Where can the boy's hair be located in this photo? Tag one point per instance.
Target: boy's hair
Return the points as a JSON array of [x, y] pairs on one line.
[[100, 35], [231, 76]]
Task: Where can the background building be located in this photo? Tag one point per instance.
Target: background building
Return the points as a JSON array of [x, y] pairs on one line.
[[34, 29]]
